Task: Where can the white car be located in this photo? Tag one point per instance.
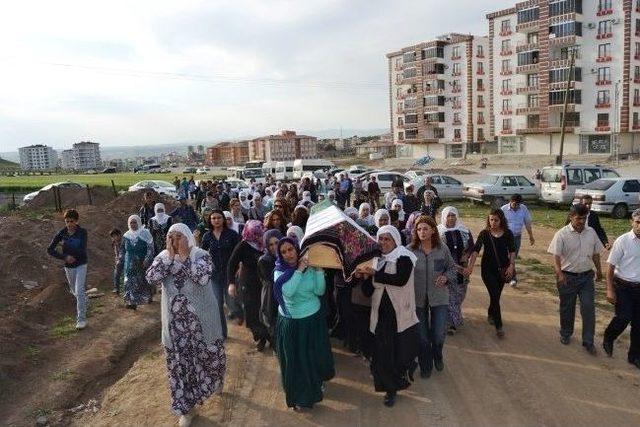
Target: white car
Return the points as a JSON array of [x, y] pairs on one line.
[[160, 187], [354, 172], [384, 179], [497, 189], [448, 187], [613, 196], [203, 170], [66, 184], [237, 184]]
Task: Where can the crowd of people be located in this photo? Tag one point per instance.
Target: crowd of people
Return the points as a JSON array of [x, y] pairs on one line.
[[234, 256]]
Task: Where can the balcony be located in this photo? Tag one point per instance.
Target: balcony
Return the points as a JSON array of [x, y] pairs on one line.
[[455, 57], [506, 52], [603, 82], [481, 105], [604, 59], [603, 104], [527, 27], [506, 92], [636, 56], [524, 109], [602, 36], [636, 79], [506, 131], [456, 139], [524, 89], [525, 47], [505, 32], [603, 127], [431, 108], [456, 106], [456, 73], [636, 126], [571, 107], [569, 127], [636, 102], [481, 122], [506, 72], [434, 92], [603, 12], [456, 89], [457, 122], [528, 69], [480, 55], [480, 88], [506, 112], [530, 128], [569, 40], [480, 72]]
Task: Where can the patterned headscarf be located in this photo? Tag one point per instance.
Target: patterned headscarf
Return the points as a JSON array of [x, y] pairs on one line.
[[287, 272], [252, 233], [268, 235]]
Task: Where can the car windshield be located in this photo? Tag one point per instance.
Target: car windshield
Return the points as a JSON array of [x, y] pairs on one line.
[[488, 179], [551, 174], [599, 184]]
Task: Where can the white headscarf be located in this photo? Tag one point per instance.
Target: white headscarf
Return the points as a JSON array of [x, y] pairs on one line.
[[369, 220], [140, 233], [442, 227], [246, 203], [161, 218], [351, 211], [398, 202], [399, 249], [379, 213], [297, 231], [234, 225], [195, 252]]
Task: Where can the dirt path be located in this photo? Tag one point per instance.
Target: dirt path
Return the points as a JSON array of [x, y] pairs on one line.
[[528, 378]]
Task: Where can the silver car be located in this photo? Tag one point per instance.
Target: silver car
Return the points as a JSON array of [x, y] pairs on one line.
[[613, 196], [497, 189]]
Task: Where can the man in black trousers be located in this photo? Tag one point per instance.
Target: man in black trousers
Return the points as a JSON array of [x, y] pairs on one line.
[[593, 221]]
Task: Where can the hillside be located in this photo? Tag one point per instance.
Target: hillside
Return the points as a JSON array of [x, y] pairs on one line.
[[6, 164]]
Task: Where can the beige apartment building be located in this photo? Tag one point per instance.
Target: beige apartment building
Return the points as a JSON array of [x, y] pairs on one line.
[[228, 154], [530, 50], [439, 96], [286, 146]]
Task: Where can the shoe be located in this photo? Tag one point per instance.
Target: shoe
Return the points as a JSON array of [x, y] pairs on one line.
[[439, 364], [186, 419], [424, 374], [261, 344], [591, 349], [500, 333], [513, 283], [565, 340], [81, 324], [115, 291], [490, 320], [389, 399], [608, 347]]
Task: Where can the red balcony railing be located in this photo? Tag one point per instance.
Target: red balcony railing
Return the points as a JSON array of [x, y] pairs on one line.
[[506, 92], [601, 36], [603, 82], [506, 52], [603, 59], [636, 126], [505, 32], [506, 131], [636, 102], [507, 112], [603, 127], [506, 71], [603, 104], [603, 11]]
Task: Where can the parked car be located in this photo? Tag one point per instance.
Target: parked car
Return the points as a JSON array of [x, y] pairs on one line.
[[203, 170], [613, 196], [161, 187], [559, 183], [354, 172], [385, 179], [236, 183], [109, 170], [189, 170], [65, 184], [448, 187], [496, 189], [415, 174]]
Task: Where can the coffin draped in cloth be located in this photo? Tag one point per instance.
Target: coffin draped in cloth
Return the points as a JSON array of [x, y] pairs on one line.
[[334, 240]]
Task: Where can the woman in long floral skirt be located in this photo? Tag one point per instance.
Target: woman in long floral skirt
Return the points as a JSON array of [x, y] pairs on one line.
[[138, 254], [191, 327]]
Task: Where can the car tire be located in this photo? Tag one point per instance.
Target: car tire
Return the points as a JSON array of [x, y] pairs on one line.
[[620, 211]]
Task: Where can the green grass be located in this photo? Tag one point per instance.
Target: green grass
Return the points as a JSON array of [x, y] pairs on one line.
[[122, 181], [32, 352], [64, 328]]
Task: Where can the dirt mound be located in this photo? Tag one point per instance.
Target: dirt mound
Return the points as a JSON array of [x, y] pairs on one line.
[[72, 197], [451, 171]]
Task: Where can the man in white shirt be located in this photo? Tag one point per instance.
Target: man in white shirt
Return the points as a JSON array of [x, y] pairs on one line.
[[576, 249], [518, 218], [623, 290]]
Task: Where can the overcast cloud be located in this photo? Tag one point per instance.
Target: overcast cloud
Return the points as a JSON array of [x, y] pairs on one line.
[[156, 72]]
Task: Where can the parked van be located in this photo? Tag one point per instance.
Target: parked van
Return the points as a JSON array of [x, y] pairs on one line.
[[284, 171], [559, 183], [300, 166]]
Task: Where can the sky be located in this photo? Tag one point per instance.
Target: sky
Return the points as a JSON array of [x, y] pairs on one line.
[[159, 72]]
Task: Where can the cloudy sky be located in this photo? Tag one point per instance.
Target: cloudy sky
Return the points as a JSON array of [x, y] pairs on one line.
[[155, 72]]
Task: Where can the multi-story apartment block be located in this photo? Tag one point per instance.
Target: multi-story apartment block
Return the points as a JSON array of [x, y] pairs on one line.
[[286, 146], [439, 96], [66, 159], [530, 49], [228, 154], [37, 157], [86, 155]]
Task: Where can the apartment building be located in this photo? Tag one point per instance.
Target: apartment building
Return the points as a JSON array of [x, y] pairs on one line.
[[66, 159], [286, 146], [530, 49], [37, 157], [439, 96], [228, 154], [86, 155]]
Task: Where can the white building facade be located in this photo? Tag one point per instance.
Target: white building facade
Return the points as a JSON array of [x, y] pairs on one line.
[[439, 96], [37, 157], [86, 155]]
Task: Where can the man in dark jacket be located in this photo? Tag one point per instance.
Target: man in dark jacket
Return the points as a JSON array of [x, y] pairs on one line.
[[147, 209], [185, 213], [593, 221]]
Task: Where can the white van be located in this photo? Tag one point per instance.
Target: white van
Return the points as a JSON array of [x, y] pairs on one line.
[[300, 166], [284, 171], [559, 183], [269, 168]]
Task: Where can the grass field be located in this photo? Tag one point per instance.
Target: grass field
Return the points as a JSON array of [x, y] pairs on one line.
[[121, 180]]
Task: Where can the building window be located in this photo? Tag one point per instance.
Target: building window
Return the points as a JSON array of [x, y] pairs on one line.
[[456, 68], [457, 134], [409, 57], [604, 74], [505, 26], [604, 5], [480, 52], [562, 74], [636, 121], [455, 52], [480, 101], [603, 98], [506, 85], [528, 15], [532, 80], [557, 97], [506, 105], [532, 38], [480, 118], [565, 6], [506, 124], [604, 28], [637, 54], [480, 84], [636, 97], [480, 68], [506, 45], [506, 65], [533, 101], [528, 58], [566, 29], [456, 118], [603, 119], [604, 50]]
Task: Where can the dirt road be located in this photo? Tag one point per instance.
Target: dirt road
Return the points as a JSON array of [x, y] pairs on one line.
[[527, 379]]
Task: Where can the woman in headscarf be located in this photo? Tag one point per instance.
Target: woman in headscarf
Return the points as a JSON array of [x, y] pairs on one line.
[[281, 205], [304, 350], [365, 219], [236, 211], [220, 241], [295, 233], [380, 218], [331, 195], [393, 314], [434, 272], [268, 198], [275, 221], [258, 210], [191, 326], [352, 213], [306, 200], [266, 265], [159, 226], [247, 252], [408, 227], [430, 204], [292, 195], [138, 255], [300, 217], [459, 240], [245, 203], [398, 205], [231, 224]]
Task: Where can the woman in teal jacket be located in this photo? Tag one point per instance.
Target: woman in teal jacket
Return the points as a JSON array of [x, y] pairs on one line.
[[304, 350]]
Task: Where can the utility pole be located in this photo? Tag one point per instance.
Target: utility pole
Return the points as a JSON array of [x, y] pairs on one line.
[[566, 101], [616, 123]]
